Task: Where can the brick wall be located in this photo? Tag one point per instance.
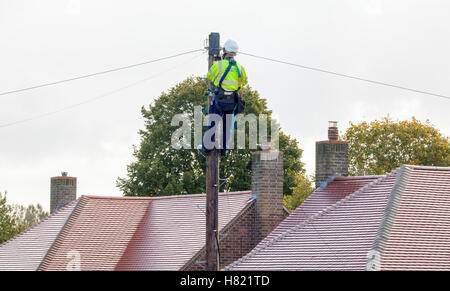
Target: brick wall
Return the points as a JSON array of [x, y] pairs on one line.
[[267, 186], [62, 189], [236, 240], [331, 160]]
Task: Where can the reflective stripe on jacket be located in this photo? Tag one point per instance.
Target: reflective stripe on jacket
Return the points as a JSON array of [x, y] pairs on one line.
[[231, 81]]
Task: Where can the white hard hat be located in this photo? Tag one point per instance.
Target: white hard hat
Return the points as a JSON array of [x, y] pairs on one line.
[[230, 46]]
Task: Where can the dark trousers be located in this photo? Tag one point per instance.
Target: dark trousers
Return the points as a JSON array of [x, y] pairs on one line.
[[221, 109]]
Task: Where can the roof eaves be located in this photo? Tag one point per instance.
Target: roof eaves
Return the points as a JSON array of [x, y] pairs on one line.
[[375, 254], [309, 220]]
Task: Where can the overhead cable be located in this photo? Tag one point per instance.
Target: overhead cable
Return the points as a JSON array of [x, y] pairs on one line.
[[348, 76], [97, 73], [94, 98]]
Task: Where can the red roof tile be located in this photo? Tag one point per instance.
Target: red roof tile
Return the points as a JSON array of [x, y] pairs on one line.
[[99, 230], [322, 198], [337, 237], [398, 222], [138, 233], [173, 230], [416, 232], [403, 218], [25, 251]]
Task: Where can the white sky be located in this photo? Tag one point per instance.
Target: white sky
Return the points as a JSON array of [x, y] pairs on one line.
[[403, 42]]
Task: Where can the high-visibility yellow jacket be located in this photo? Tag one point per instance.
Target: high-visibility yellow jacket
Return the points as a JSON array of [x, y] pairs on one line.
[[231, 81]]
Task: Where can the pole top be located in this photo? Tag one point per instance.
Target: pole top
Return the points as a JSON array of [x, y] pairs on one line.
[[214, 44]]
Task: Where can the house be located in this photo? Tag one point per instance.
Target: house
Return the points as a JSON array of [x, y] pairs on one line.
[[147, 233], [399, 221]]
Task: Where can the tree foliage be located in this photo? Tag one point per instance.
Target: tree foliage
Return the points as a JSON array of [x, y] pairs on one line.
[[304, 187], [26, 217], [160, 170], [7, 223], [382, 145], [16, 218]]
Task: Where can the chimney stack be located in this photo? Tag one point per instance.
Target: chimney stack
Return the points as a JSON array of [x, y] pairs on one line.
[[63, 189], [331, 156], [267, 188]]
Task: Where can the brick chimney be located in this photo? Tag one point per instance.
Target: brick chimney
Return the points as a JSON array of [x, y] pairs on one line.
[[331, 156], [63, 189], [267, 188]]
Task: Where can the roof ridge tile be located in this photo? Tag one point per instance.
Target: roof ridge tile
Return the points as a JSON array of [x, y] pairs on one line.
[[69, 222], [162, 197], [420, 167], [378, 246], [345, 178]]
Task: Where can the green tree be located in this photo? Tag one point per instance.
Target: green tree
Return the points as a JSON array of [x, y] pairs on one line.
[[8, 226], [160, 169], [26, 217], [16, 218], [380, 146], [304, 187]]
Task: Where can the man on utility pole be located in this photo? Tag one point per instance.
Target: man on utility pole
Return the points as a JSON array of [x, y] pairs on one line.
[[227, 77]]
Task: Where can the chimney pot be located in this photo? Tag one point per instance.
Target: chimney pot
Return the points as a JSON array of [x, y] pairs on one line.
[[333, 133]]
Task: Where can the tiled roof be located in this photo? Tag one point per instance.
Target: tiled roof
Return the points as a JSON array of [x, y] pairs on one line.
[[99, 230], [25, 251], [337, 237], [397, 222], [400, 221], [416, 230], [137, 233], [322, 198], [173, 231]]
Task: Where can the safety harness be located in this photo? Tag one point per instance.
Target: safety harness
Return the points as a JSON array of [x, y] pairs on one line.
[[230, 97], [231, 63]]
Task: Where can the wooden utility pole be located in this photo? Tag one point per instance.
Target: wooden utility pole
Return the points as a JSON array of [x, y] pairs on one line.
[[212, 176]]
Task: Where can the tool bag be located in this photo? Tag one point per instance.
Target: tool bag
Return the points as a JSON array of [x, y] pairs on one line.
[[224, 96]]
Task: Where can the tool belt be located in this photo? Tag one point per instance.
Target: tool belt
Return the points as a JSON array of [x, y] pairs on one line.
[[225, 96], [230, 97]]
